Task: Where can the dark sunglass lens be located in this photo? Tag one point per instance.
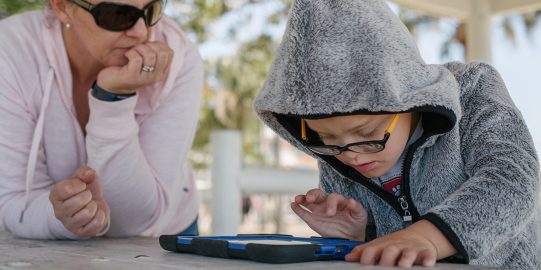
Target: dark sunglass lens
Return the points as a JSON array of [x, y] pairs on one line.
[[115, 17], [154, 13]]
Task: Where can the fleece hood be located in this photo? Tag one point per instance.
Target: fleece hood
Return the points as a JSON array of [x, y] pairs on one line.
[[340, 57]]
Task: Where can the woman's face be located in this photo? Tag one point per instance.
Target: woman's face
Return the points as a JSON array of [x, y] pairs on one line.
[[342, 130], [104, 46]]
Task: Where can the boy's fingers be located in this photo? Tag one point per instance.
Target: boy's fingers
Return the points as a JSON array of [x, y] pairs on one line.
[[370, 255], [390, 256], [300, 199], [332, 203], [356, 253], [302, 213], [356, 208], [408, 258], [342, 204], [428, 258], [315, 196]]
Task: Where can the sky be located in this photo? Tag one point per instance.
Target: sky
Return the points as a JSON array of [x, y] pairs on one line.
[[519, 65]]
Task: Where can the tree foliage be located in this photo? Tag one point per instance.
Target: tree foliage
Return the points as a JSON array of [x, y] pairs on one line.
[[8, 7], [233, 80]]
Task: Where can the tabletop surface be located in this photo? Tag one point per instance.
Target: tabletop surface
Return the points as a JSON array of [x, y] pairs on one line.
[[140, 253]]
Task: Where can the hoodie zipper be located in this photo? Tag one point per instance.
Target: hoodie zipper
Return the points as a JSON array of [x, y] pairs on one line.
[[403, 205], [410, 213], [406, 214]]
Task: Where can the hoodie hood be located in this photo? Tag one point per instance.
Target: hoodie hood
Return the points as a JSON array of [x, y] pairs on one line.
[[341, 57]]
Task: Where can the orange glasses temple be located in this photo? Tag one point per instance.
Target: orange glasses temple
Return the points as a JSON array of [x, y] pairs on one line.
[[393, 123], [303, 130], [388, 130]]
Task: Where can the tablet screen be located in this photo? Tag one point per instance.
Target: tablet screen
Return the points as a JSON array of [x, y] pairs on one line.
[[269, 242]]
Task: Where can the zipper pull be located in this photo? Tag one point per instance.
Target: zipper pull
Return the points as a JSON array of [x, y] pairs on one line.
[[404, 205]]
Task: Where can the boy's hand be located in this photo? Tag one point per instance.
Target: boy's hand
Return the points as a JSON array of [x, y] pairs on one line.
[[332, 215], [78, 203], [421, 244]]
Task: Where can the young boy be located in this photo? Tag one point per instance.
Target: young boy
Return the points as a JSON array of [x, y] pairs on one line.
[[424, 162]]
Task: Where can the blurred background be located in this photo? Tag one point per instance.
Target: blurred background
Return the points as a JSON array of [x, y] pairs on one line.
[[247, 186]]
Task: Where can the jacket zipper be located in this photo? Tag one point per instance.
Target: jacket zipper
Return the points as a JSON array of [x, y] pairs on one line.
[[403, 205], [406, 214]]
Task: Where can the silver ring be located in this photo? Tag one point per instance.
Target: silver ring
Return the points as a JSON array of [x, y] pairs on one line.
[[147, 68]]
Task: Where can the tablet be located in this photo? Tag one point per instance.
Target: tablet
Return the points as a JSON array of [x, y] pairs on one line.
[[261, 247]]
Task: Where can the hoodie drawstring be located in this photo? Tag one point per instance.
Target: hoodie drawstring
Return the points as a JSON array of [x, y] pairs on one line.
[[36, 140]]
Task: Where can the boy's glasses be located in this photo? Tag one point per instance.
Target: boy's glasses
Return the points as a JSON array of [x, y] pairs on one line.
[[120, 17], [366, 147]]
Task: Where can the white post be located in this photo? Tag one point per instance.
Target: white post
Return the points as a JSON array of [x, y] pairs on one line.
[[478, 32], [226, 195]]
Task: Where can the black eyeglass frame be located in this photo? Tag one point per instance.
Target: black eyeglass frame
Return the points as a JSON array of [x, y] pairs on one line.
[[142, 13], [340, 149]]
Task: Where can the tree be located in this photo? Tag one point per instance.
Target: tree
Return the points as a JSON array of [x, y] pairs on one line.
[[415, 20], [8, 7]]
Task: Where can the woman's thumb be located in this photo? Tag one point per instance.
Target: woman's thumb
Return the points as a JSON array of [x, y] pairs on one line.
[[86, 174]]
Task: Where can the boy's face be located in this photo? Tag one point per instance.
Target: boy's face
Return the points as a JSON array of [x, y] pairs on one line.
[[342, 130]]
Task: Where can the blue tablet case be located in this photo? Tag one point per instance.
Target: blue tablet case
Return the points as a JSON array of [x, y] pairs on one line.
[[261, 247]]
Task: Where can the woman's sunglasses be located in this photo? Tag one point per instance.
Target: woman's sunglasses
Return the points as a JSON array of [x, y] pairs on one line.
[[120, 17]]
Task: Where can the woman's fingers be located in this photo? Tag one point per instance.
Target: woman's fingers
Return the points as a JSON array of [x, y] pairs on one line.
[[76, 203], [148, 63], [135, 61], [164, 56], [84, 216], [95, 226], [149, 59], [85, 174], [63, 191], [66, 189]]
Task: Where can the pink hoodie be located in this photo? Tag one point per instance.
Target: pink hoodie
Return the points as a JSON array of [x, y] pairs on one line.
[[137, 146]]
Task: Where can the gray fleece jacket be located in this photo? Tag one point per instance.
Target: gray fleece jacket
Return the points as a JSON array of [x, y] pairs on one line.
[[474, 173]]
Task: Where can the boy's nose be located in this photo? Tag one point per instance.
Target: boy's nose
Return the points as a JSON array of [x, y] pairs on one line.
[[350, 156]]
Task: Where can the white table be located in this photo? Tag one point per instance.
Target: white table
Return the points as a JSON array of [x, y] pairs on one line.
[[139, 253]]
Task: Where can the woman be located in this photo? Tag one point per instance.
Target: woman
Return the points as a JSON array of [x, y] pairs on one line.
[[98, 106]]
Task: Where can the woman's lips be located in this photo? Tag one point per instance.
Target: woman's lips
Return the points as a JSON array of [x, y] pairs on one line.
[[365, 167]]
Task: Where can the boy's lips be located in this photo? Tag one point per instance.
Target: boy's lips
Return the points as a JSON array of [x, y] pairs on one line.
[[365, 167]]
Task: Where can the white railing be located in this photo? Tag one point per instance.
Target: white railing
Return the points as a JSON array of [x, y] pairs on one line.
[[229, 180]]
